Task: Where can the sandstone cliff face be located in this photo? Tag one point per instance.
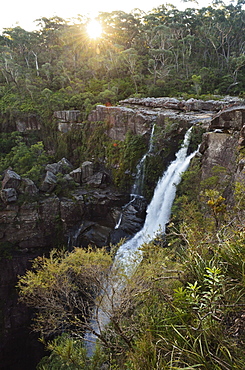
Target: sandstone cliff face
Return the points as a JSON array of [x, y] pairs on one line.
[[222, 144], [218, 149], [19, 347], [46, 223], [122, 119], [138, 115], [139, 118]]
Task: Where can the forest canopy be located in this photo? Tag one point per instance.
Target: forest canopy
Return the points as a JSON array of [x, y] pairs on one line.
[[166, 52]]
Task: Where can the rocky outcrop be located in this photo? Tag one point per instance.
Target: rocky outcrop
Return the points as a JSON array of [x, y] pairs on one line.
[[221, 146], [138, 115], [184, 105], [232, 119], [9, 195], [67, 115], [29, 122], [49, 182], [47, 222], [66, 119], [139, 121], [122, 119], [224, 121], [11, 180], [218, 149]]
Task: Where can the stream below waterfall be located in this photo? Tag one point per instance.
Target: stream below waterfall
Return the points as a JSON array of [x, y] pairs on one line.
[[129, 254]]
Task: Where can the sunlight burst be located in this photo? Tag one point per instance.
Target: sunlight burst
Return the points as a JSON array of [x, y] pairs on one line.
[[94, 29]]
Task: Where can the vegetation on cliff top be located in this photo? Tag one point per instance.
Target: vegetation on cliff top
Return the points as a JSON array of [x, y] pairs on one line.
[[165, 52]]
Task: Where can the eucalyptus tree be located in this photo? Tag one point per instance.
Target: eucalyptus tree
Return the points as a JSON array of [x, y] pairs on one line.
[[222, 38], [120, 28]]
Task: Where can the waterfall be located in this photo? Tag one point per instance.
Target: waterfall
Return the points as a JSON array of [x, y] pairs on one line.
[[72, 237], [119, 221], [137, 187], [159, 210], [129, 254], [140, 175]]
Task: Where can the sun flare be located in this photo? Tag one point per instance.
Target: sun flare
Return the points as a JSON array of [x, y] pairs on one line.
[[94, 29]]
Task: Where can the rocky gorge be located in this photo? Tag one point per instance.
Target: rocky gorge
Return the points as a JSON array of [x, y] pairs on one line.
[[35, 219]]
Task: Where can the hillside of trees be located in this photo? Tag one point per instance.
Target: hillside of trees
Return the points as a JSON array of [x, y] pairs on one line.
[[165, 52]]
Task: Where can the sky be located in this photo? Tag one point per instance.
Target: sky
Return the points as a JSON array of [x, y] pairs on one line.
[[23, 13]]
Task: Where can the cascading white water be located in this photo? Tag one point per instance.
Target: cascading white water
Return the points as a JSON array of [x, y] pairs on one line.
[[129, 255], [158, 211]]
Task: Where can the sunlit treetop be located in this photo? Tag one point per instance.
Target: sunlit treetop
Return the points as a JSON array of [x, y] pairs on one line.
[[94, 29]]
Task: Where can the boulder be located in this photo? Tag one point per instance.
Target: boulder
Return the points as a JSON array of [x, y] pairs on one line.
[[232, 119], [49, 182], [63, 166], [131, 223], [96, 234], [9, 195], [11, 180], [53, 167], [76, 175], [99, 179], [28, 187], [87, 170]]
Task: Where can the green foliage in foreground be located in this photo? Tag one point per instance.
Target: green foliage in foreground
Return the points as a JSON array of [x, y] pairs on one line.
[[64, 286], [69, 354]]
